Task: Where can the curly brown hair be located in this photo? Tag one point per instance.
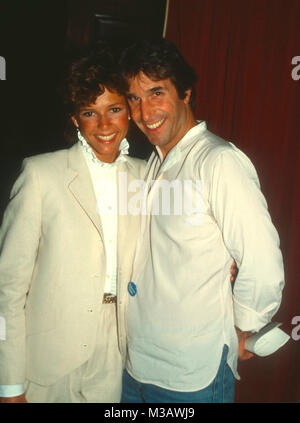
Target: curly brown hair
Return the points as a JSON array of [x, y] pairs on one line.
[[87, 78]]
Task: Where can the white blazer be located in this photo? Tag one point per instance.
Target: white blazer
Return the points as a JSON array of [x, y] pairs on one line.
[[52, 267]]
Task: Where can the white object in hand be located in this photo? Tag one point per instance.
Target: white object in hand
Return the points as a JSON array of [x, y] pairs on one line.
[[268, 340]]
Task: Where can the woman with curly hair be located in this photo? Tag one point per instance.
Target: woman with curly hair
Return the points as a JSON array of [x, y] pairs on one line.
[[66, 252]]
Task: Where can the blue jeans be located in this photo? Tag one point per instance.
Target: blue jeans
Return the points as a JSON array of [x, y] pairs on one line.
[[220, 390]]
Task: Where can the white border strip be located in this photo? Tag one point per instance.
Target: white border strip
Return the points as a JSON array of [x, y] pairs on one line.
[[166, 19]]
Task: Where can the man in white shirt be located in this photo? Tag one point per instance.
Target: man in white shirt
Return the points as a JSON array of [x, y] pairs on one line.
[[203, 209]]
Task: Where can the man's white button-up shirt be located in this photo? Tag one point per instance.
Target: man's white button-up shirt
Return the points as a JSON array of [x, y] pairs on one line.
[[205, 208]]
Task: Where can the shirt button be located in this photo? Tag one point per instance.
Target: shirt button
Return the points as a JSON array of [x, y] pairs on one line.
[[132, 289]]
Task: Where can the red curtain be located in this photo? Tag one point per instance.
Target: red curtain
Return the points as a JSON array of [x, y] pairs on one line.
[[242, 51]]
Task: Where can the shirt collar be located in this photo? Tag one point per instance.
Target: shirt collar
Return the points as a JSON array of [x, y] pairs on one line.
[[91, 156], [174, 154]]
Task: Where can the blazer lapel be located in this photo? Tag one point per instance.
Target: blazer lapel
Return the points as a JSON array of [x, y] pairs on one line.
[[80, 184]]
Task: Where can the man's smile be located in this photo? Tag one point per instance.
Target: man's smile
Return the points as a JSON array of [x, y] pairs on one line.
[[155, 125]]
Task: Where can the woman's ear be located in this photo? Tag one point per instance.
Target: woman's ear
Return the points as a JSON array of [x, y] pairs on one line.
[[75, 121]]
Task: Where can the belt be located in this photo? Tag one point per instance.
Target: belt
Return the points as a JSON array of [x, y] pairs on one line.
[[109, 299]]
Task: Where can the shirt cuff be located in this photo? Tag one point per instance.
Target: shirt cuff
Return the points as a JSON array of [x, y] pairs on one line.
[[11, 390], [249, 320]]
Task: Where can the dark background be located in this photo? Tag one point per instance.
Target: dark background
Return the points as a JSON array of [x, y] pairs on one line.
[[37, 39], [242, 52]]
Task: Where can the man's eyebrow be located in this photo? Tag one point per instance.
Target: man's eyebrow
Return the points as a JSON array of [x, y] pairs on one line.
[[150, 90], [158, 88], [129, 95]]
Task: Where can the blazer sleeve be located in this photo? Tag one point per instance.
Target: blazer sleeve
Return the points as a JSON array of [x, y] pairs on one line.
[[19, 241]]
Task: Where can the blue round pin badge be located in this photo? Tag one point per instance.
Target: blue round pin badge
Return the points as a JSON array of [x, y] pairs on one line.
[[132, 289]]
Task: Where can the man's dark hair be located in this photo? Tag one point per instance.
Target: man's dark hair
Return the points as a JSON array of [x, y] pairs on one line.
[[159, 59]]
